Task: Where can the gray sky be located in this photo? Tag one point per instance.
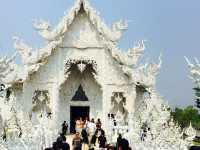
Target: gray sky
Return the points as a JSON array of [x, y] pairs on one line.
[[171, 27]]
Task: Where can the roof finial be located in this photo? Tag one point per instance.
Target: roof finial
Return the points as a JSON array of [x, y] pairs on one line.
[[82, 0]]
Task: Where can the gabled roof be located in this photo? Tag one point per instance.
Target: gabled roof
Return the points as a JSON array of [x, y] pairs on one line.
[[113, 34], [35, 58]]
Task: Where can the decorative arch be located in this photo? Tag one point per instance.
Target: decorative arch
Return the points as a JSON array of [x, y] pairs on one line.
[[81, 64], [80, 95], [80, 88]]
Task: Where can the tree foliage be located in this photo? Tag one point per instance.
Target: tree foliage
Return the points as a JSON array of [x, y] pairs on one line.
[[184, 116]]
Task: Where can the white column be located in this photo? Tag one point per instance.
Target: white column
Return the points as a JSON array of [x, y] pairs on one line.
[[131, 98], [54, 104]]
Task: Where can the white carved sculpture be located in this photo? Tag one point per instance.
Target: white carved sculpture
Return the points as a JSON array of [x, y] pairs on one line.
[[31, 58], [113, 35], [194, 71], [81, 67], [128, 59], [8, 70], [118, 102], [41, 102], [190, 133], [151, 115], [161, 132]]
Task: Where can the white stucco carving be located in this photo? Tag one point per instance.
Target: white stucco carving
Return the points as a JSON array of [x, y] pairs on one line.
[[8, 70], [113, 35], [194, 71], [81, 51], [31, 58]]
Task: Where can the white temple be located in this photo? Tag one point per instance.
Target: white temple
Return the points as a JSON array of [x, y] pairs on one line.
[[81, 72], [81, 69]]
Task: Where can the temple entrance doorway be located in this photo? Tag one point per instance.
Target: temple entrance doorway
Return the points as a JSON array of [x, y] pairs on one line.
[[75, 113]]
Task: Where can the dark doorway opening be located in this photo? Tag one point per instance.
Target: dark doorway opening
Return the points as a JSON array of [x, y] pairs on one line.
[[75, 113]]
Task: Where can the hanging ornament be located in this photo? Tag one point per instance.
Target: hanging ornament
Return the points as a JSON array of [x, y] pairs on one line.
[[118, 98], [81, 66]]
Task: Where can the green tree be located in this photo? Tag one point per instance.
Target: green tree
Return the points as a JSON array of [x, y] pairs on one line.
[[184, 116]]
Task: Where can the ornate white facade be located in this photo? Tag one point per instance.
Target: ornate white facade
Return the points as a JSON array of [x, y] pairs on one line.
[[81, 66], [81, 50]]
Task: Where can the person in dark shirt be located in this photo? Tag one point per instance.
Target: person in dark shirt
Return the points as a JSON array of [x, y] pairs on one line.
[[56, 146], [102, 141], [62, 136], [119, 142], [124, 144], [59, 142], [98, 124], [65, 145], [85, 140], [93, 141], [64, 127]]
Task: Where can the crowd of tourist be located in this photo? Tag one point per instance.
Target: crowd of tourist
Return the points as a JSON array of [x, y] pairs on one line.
[[89, 136]]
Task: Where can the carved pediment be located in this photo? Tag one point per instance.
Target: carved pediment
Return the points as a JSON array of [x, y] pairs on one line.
[[82, 34], [81, 64], [80, 95], [41, 101], [118, 102]]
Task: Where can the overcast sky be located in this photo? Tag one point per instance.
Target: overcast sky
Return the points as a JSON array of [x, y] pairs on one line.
[[171, 27]]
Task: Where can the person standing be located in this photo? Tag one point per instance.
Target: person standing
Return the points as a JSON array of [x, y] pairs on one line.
[[85, 140], [77, 142], [86, 123], [93, 142], [64, 127], [79, 125], [58, 144], [65, 145], [92, 127], [98, 124], [102, 141], [119, 142], [124, 144], [82, 123]]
